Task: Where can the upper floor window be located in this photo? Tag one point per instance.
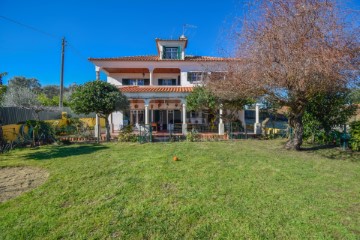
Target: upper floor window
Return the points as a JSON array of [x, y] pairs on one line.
[[194, 77], [171, 53], [136, 82], [167, 82]]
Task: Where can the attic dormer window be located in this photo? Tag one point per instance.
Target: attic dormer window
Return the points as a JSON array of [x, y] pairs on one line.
[[171, 53]]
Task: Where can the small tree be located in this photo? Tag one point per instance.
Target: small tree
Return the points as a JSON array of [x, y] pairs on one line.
[[325, 111], [203, 99], [99, 97]]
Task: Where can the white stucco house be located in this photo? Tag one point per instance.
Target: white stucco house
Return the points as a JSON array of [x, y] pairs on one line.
[[158, 85]]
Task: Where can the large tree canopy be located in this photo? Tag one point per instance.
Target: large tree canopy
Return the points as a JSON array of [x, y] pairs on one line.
[[291, 51], [23, 82], [99, 97]]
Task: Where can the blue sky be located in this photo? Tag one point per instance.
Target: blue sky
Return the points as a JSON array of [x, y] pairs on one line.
[[102, 29]]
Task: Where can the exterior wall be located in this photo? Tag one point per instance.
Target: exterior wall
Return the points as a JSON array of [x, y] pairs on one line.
[[116, 118], [184, 66]]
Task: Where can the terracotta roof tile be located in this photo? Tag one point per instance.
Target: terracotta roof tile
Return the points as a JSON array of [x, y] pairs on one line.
[[156, 58], [136, 89]]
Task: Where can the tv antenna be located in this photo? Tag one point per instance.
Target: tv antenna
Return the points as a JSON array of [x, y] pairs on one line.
[[185, 26]]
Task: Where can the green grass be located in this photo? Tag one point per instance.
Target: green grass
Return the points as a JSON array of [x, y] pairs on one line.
[[219, 190]]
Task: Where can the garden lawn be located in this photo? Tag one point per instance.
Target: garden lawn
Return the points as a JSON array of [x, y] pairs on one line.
[[218, 190]]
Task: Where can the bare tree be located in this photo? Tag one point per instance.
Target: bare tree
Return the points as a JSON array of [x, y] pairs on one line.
[[289, 51]]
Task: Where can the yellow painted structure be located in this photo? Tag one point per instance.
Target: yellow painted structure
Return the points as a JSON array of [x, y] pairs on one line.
[[11, 131]]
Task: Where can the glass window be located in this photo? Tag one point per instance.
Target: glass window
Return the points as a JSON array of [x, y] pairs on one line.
[[196, 76], [140, 82], [171, 53], [167, 82], [136, 82]]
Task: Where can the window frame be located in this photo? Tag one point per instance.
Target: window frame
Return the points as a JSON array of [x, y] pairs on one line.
[[173, 54], [135, 81]]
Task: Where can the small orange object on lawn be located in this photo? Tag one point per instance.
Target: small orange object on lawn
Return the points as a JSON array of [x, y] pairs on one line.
[[175, 158]]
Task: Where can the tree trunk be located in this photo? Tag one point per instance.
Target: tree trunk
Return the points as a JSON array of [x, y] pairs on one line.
[[107, 128], [296, 139]]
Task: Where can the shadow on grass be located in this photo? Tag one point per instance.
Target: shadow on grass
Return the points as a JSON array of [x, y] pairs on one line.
[[64, 151], [333, 152], [318, 147]]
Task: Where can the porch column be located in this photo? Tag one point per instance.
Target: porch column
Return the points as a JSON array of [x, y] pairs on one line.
[[97, 128], [221, 124], [184, 125], [257, 126], [146, 102], [151, 73], [242, 118]]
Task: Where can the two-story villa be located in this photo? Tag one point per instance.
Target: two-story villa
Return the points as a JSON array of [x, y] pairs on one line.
[[158, 85]]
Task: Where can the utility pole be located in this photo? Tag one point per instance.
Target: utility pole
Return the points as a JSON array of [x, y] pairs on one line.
[[62, 72]]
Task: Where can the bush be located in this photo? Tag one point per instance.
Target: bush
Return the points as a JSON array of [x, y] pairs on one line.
[[193, 136], [44, 132], [74, 126], [355, 136], [126, 135]]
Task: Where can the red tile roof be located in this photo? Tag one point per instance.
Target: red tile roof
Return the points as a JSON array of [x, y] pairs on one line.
[[156, 58], [136, 89]]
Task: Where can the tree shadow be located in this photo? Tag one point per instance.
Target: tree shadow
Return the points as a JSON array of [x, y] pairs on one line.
[[333, 152], [64, 151], [318, 147]]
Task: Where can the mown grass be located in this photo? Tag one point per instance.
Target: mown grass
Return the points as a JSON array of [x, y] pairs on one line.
[[218, 190]]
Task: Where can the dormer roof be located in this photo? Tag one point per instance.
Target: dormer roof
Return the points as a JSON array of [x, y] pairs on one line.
[[182, 42]]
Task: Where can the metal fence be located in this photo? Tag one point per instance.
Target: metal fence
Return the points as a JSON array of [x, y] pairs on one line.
[[75, 115], [14, 115]]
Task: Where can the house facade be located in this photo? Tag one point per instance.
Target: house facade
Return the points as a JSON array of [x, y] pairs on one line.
[[157, 86]]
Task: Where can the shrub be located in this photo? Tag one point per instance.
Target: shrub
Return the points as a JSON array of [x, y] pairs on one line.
[[193, 136], [355, 135], [126, 135], [44, 132], [74, 126]]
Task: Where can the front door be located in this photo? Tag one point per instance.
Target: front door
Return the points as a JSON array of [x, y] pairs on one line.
[[160, 119]]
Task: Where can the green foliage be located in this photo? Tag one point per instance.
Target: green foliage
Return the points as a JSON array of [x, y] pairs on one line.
[[355, 135], [51, 102], [100, 97], [193, 136], [325, 111], [233, 190], [51, 91], [2, 93], [3, 74], [42, 131], [201, 98], [74, 126], [22, 82], [355, 95], [126, 135]]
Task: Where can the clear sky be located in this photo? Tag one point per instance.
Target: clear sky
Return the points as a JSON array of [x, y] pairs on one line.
[[107, 28]]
